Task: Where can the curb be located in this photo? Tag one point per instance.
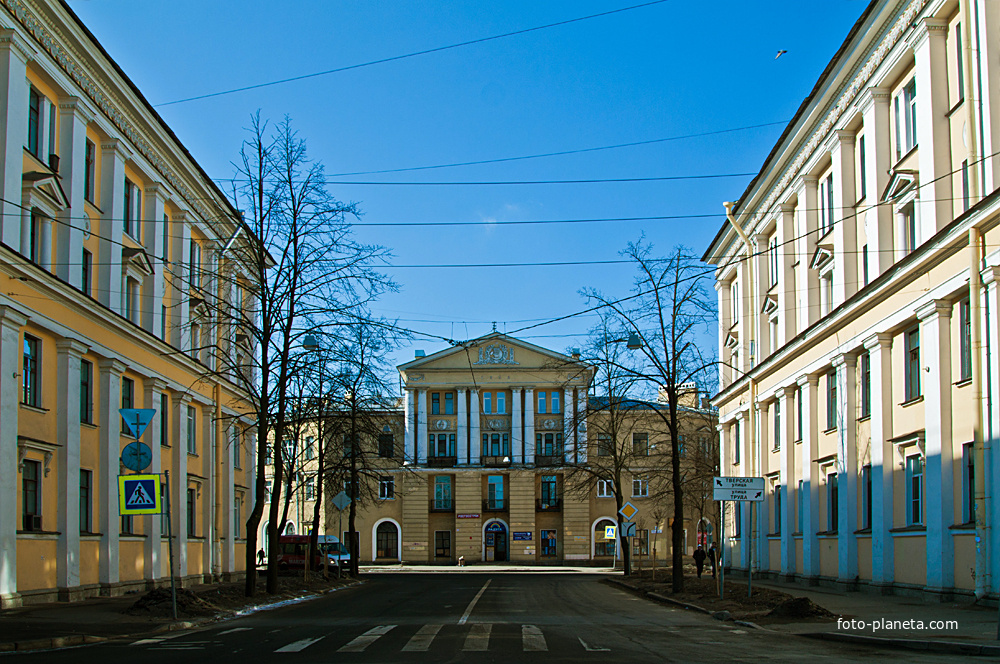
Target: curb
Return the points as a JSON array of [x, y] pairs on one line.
[[662, 598], [951, 647]]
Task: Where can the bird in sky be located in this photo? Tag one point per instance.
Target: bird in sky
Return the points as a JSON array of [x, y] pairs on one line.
[[780, 53]]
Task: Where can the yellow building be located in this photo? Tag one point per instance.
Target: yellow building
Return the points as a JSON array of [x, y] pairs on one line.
[[847, 335], [110, 236], [490, 460]]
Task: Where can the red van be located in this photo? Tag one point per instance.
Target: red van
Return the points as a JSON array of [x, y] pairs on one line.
[[292, 552]]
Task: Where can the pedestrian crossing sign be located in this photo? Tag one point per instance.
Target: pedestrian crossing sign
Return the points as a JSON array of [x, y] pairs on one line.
[[139, 494]]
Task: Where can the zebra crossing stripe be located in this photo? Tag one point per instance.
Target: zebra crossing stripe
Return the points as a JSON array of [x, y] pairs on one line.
[[422, 640], [371, 636], [298, 646], [478, 639], [532, 639]]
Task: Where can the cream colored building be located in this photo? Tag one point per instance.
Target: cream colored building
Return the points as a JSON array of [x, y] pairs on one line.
[[846, 336], [110, 236]]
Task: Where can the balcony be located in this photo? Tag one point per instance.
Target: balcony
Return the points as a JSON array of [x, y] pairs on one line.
[[495, 505], [442, 505], [496, 461], [548, 505], [550, 459], [442, 461]]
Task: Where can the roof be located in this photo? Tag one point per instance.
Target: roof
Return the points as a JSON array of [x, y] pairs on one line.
[[461, 346]]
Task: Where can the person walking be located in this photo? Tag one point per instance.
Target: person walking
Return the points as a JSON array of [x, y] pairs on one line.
[[713, 558], [699, 559], [260, 557]]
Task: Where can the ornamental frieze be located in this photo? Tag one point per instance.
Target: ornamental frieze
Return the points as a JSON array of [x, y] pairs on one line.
[[496, 354]]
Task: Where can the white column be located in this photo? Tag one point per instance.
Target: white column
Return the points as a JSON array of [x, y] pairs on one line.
[[45, 242], [421, 426], [789, 478], [180, 303], [725, 469], [568, 407], [208, 490], [762, 279], [808, 385], [210, 287], [762, 510], [874, 106], [581, 425], [724, 323], [845, 227], [153, 286], [474, 409], [879, 349], [152, 388], [109, 276], [74, 116], [409, 426], [939, 478], [529, 425], [68, 355], [463, 426], [740, 440], [807, 280], [179, 482], [14, 56], [11, 354], [991, 420], [933, 127], [110, 452], [786, 275], [516, 430], [847, 467]]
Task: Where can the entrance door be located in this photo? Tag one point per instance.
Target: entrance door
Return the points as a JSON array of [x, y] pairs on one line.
[[496, 542]]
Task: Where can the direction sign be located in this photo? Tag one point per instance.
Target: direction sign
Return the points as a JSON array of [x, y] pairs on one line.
[[139, 494], [137, 419], [629, 529], [628, 511], [341, 501], [610, 532], [738, 488]]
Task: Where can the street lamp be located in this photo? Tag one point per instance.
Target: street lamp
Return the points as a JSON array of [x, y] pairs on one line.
[[634, 342], [310, 342]]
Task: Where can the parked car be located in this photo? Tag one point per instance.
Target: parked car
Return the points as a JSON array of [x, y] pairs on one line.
[[293, 550]]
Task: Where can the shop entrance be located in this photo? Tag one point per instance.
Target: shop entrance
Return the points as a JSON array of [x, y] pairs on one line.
[[496, 542]]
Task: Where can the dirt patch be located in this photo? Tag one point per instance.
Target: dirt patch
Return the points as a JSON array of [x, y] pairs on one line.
[[799, 608]]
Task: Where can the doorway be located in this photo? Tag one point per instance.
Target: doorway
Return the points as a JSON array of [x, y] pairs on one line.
[[496, 542]]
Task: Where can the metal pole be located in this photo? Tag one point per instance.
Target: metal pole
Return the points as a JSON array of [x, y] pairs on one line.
[[750, 565], [722, 554], [170, 546]]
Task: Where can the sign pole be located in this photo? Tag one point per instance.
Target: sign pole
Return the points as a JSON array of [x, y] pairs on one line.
[[722, 555], [750, 558], [170, 546]]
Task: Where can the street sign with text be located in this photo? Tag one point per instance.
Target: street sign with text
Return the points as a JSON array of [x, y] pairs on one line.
[[738, 488]]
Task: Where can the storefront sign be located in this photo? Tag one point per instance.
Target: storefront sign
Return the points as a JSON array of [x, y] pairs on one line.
[[522, 536], [467, 516]]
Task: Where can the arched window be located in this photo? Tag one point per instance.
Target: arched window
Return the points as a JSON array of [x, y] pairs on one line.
[[386, 540], [602, 546]]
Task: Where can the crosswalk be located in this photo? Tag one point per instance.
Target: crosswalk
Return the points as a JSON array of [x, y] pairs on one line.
[[471, 637]]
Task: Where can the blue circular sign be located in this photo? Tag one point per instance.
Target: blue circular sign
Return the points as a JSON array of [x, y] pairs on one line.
[[137, 456]]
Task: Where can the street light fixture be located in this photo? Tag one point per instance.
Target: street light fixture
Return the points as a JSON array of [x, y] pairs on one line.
[[634, 342], [310, 342]]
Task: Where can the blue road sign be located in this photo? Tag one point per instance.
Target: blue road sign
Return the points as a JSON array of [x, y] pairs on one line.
[[139, 494], [137, 419]]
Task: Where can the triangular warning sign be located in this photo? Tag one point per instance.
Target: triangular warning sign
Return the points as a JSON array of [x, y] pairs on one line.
[[140, 498]]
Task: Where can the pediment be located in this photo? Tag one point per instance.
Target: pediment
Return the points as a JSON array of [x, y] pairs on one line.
[[900, 183], [732, 339], [821, 257], [48, 186], [770, 304], [137, 259], [493, 352]]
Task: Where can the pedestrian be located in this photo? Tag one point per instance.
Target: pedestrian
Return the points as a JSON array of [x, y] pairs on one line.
[[699, 559], [260, 557], [713, 557]]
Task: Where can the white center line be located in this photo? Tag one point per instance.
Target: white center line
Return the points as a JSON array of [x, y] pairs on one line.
[[298, 646], [479, 637], [234, 630], [472, 604], [532, 638], [366, 639], [422, 640]]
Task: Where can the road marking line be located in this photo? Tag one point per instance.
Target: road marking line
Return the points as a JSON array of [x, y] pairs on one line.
[[472, 604], [144, 642], [234, 630], [422, 640], [479, 637], [298, 646], [532, 638], [592, 649], [366, 639]]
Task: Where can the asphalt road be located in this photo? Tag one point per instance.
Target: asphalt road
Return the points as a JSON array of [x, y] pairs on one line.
[[473, 618]]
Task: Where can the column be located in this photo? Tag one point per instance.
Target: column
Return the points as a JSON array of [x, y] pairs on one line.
[[110, 372], [786, 275], [11, 354], [409, 427], [15, 52], [179, 403], [845, 228], [726, 469], [721, 291], [516, 426], [581, 425], [879, 349], [569, 408], [45, 242], [463, 426], [933, 127], [74, 116], [789, 478], [180, 303], [210, 288], [421, 426], [109, 276], [152, 388], [762, 283], [68, 355], [874, 106], [227, 490], [846, 366], [208, 488], [762, 510], [808, 385], [474, 410], [807, 280], [739, 440], [529, 425], [154, 285], [939, 478], [990, 301]]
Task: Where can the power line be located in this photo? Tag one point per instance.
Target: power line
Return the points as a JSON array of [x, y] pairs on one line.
[[410, 55], [484, 183]]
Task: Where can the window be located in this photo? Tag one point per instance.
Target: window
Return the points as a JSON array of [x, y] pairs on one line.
[[435, 403], [914, 490], [550, 490], [494, 492], [89, 170], [800, 497], [777, 425], [192, 511], [487, 402], [267, 489], [165, 246], [772, 258], [965, 339], [831, 400], [386, 540], [269, 455], [442, 544], [34, 120], [386, 488], [959, 62], [605, 489], [349, 448], [604, 447], [912, 373], [195, 264], [496, 444], [237, 516], [826, 204], [128, 400], [548, 538], [832, 503], [861, 168], [866, 497], [640, 487], [132, 210], [798, 406], [865, 366], [442, 492], [501, 402], [864, 265], [640, 543], [386, 445], [738, 518], [734, 301], [195, 340], [776, 501], [309, 489], [87, 271], [31, 394], [31, 495], [164, 418], [602, 546], [310, 452], [909, 220], [127, 525], [86, 485], [192, 440], [736, 443], [441, 448], [234, 435], [34, 241], [555, 401], [965, 185], [163, 326], [132, 301], [905, 112], [640, 444], [86, 392], [541, 402], [968, 483], [449, 406]]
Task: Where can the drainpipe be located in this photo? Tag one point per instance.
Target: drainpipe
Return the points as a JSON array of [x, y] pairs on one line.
[[978, 446]]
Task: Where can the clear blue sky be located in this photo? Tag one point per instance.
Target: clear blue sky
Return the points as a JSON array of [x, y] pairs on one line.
[[671, 69]]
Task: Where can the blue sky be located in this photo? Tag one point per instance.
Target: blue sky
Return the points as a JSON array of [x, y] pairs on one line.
[[667, 70]]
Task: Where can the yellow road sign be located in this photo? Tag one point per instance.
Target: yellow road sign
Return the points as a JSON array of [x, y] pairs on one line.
[[139, 494]]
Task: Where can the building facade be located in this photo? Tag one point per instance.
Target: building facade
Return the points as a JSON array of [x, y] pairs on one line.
[[491, 460], [847, 326], [109, 238]]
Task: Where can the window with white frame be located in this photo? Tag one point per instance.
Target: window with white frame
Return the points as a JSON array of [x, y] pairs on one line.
[[826, 204], [501, 403], [555, 401], [309, 489], [234, 433], [192, 439], [772, 258], [908, 226], [487, 402], [734, 301], [831, 400], [912, 367], [132, 300], [968, 483], [640, 487], [195, 276], [542, 403], [777, 425], [386, 488], [132, 210], [832, 503], [866, 497], [905, 115], [605, 489], [914, 490]]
